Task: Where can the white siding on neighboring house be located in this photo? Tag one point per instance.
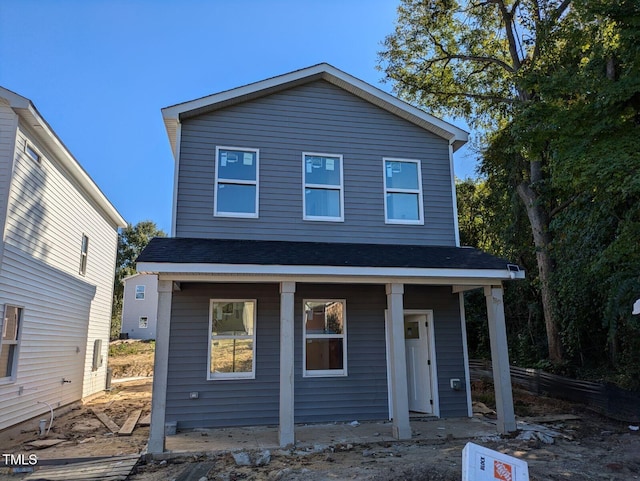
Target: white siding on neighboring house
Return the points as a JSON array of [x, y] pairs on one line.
[[133, 309], [8, 126], [63, 311]]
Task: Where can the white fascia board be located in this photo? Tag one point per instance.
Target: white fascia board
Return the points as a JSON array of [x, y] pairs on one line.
[[456, 136], [27, 111], [329, 271]]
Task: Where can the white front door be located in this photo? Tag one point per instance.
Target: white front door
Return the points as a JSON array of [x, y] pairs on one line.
[[416, 335]]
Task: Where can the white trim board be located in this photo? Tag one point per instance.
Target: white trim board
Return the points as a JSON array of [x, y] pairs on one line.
[[455, 275]]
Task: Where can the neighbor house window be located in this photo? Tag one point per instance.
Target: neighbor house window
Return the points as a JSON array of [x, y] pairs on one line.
[[32, 152], [84, 251], [323, 187], [325, 338], [10, 330], [236, 182], [232, 346], [143, 323], [139, 293], [402, 191]]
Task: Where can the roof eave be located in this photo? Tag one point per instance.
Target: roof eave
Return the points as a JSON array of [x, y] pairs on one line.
[[27, 111], [172, 115], [336, 272]]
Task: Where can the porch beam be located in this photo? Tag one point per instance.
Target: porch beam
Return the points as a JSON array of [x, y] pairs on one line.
[[506, 422], [286, 431], [160, 369], [401, 428]]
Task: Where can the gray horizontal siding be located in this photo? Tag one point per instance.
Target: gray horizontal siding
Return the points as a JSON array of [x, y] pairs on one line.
[[362, 395], [228, 402], [448, 341], [317, 117]]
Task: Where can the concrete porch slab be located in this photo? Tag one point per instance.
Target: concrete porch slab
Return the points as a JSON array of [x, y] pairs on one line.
[[318, 436]]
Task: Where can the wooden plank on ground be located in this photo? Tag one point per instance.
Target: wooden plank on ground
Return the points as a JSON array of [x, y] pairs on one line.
[[145, 420], [106, 420], [45, 443], [551, 418], [117, 468], [130, 423]]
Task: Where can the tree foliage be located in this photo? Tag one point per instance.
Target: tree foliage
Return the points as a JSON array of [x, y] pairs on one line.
[[131, 240], [554, 86]]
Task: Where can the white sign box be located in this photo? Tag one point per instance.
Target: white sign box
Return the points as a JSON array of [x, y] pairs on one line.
[[484, 464]]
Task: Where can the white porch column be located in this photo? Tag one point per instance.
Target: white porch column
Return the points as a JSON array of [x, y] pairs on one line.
[[160, 369], [500, 359], [397, 361], [286, 434]]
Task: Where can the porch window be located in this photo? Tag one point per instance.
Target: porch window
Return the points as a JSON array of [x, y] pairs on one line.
[[236, 182], [10, 334], [402, 191], [323, 192], [232, 339], [325, 338]]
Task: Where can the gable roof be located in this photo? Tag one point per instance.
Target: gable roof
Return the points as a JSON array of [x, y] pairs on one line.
[[174, 114], [169, 254], [27, 111]]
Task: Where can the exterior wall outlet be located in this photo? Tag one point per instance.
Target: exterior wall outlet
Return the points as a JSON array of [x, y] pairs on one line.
[[456, 384], [194, 395]]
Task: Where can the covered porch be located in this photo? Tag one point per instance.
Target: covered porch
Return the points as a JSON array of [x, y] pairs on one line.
[[447, 270]]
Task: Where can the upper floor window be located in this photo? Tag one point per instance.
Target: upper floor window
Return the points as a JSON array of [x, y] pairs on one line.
[[139, 293], [323, 197], [402, 191], [325, 338], [84, 251], [9, 335], [32, 152], [232, 346], [236, 182]]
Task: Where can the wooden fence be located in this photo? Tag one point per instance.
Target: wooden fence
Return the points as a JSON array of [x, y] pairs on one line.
[[605, 398]]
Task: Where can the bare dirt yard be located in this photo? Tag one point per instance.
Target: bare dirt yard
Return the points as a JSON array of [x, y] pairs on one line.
[[579, 445]]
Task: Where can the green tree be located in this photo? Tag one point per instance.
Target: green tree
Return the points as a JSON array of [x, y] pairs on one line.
[[502, 65], [131, 240], [554, 86]]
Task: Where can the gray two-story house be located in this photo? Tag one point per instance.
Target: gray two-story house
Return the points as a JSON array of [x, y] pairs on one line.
[[314, 272]]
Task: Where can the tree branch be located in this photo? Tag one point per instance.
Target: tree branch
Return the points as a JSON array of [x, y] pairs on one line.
[[563, 206], [508, 28]]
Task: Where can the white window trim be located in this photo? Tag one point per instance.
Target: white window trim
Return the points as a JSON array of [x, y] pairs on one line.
[[29, 146], [328, 372], [144, 293], [391, 190], [140, 322], [305, 185], [16, 353], [222, 376], [84, 256], [245, 215]]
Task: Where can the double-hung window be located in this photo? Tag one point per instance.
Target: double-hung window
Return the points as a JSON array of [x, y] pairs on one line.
[[139, 293], [232, 347], [323, 197], [84, 252], [325, 338], [236, 182], [403, 191], [10, 332]]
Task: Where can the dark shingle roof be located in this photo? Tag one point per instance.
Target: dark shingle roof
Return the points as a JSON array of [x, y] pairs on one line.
[[256, 252]]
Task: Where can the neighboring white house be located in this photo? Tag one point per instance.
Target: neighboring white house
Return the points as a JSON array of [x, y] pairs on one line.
[[57, 260], [140, 306]]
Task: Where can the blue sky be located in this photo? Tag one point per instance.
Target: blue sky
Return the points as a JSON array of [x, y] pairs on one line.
[[99, 71]]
